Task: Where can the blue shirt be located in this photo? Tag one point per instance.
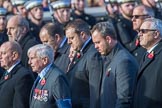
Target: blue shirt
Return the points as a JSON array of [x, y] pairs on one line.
[[44, 71]]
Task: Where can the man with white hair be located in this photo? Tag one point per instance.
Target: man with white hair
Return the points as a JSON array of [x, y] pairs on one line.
[[51, 88], [147, 92]]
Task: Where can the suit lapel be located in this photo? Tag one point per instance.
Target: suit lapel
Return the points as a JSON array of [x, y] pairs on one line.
[[76, 58], [40, 85], [110, 58], [9, 76], [75, 61], [144, 65]]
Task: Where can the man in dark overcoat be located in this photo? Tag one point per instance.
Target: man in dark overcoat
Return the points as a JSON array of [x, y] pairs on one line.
[[17, 81], [147, 92], [119, 68], [85, 68]]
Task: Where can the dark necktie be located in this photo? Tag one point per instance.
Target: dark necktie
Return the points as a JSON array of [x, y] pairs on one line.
[[5, 75], [36, 81], [145, 57]]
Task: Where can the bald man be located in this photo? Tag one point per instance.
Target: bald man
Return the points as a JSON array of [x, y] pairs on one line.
[[16, 82]]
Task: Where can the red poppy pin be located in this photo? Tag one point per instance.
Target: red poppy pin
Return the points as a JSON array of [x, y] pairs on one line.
[[137, 42], [43, 81], [78, 55], [151, 55], [36, 90], [6, 77]]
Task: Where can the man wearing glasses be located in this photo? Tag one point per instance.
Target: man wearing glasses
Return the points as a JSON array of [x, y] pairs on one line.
[[148, 87], [140, 13]]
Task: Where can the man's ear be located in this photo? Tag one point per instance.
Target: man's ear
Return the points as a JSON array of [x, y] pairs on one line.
[[45, 60], [83, 35], [156, 34], [108, 39], [57, 37], [15, 55]]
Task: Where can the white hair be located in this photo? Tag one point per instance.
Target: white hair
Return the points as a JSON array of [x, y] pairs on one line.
[[43, 50]]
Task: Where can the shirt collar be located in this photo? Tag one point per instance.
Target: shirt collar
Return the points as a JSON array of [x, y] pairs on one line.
[[63, 42], [85, 44], [149, 51], [10, 69], [44, 71]]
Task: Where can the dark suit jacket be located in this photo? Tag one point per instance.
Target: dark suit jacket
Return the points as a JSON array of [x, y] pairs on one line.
[[26, 42], [120, 70], [61, 58], [148, 85], [84, 74], [55, 87], [15, 90]]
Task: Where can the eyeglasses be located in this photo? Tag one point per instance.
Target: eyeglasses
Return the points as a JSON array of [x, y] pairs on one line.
[[146, 30], [139, 16]]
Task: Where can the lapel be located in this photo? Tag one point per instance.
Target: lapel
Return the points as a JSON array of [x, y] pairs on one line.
[[111, 59], [146, 63], [40, 85], [3, 79], [106, 65], [78, 58], [62, 50], [13, 71]]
